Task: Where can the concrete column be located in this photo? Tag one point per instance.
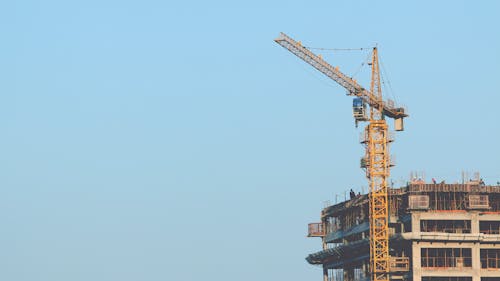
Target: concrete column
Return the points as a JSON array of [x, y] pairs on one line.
[[416, 254], [476, 249], [416, 258], [415, 222], [474, 223], [476, 261]]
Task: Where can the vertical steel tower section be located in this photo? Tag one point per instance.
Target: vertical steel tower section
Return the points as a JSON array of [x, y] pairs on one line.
[[377, 171]]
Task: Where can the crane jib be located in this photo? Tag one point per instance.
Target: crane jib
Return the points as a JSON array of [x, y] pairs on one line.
[[343, 80]]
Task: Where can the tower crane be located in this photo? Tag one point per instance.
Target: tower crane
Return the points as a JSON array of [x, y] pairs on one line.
[[376, 160]]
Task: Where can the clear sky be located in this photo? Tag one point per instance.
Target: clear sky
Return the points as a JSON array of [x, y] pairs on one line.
[[174, 140]]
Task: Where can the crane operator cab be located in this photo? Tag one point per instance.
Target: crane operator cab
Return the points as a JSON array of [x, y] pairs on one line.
[[359, 110]]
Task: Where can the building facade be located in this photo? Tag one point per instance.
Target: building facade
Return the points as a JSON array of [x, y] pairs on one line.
[[438, 232]]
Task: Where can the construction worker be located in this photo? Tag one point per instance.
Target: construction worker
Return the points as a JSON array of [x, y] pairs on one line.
[[352, 194]]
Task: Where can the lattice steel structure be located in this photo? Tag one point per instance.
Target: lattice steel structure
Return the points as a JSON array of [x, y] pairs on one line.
[[377, 158]]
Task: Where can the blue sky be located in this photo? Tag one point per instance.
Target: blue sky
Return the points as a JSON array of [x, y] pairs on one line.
[[156, 140]]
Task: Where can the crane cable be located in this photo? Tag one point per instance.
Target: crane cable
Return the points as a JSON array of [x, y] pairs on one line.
[[389, 85], [367, 59], [356, 72], [385, 82], [336, 49]]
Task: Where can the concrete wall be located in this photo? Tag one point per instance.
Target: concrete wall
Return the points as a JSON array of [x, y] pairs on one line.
[[475, 271]]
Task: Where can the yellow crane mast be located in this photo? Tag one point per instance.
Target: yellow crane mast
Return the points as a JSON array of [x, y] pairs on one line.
[[376, 138]]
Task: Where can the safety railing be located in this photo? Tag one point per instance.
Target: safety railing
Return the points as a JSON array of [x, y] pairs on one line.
[[363, 137], [445, 262], [445, 187], [316, 230], [478, 202], [490, 231], [489, 227], [399, 264], [364, 162], [418, 202], [490, 263]]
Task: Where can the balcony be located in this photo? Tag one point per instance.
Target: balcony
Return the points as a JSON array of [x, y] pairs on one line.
[[316, 230], [478, 202], [399, 264], [418, 202]]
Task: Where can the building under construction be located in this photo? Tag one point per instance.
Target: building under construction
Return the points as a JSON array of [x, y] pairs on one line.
[[420, 232], [437, 232]]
